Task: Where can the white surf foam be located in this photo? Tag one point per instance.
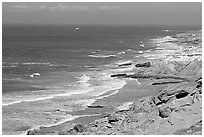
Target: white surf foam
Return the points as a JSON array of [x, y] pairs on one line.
[[138, 82], [84, 87], [122, 52], [105, 96], [66, 119], [101, 56], [123, 62], [35, 74], [9, 66], [142, 45], [28, 100], [36, 63], [164, 39], [166, 30]]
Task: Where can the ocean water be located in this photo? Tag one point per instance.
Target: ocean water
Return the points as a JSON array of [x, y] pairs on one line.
[[49, 71]]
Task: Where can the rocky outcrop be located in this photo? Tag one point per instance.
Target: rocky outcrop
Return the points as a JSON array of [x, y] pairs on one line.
[[164, 112], [32, 132], [169, 112], [112, 118], [96, 106], [124, 107], [146, 64], [136, 76], [177, 109], [72, 129], [119, 75]]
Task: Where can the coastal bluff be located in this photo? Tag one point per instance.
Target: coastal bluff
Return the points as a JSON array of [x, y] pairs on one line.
[[176, 64]]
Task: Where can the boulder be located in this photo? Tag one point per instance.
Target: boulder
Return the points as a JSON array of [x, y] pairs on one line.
[[181, 94], [124, 107], [112, 118], [197, 97], [146, 64], [119, 75], [164, 112], [156, 101], [199, 81], [79, 128], [164, 97], [32, 132]]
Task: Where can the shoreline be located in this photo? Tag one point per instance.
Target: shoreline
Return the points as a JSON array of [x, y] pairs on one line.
[[173, 51]]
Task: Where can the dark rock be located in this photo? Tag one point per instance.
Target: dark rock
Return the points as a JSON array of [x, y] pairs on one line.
[[156, 101], [125, 64], [32, 132], [199, 81], [119, 75], [112, 118], [96, 106], [164, 112], [146, 64], [151, 76], [57, 110], [198, 86], [105, 115], [181, 94], [167, 82], [79, 128]]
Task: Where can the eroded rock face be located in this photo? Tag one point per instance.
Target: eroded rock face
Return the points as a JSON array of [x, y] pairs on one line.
[[112, 118], [156, 101], [32, 132]]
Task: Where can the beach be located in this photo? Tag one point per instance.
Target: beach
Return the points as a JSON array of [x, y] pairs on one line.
[[161, 94]]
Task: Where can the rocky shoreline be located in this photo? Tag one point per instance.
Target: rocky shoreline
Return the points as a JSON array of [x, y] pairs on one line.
[[176, 109]]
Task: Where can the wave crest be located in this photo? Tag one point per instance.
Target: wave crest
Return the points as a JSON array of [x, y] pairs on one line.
[[101, 56]]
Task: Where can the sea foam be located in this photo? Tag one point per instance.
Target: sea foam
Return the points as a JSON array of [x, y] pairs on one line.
[[101, 56]]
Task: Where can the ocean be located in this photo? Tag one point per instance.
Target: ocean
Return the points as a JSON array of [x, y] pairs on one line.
[[51, 71]]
